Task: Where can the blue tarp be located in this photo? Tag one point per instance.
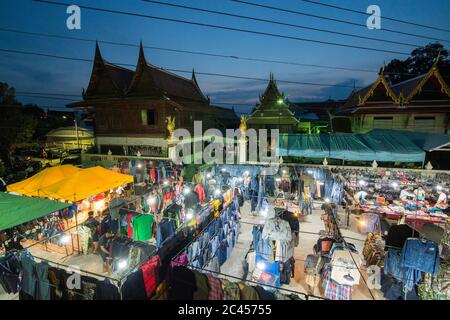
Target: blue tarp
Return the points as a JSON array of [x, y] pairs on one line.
[[379, 146], [425, 141]]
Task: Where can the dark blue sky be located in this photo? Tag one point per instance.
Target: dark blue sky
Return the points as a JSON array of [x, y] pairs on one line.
[[41, 74]]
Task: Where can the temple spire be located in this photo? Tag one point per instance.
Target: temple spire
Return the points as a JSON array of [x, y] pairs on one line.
[[98, 55], [141, 59], [193, 78]]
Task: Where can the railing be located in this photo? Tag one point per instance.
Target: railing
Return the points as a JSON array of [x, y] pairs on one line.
[[105, 159]]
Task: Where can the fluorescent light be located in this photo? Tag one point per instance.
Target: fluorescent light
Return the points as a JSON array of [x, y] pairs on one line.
[[122, 264], [261, 265], [151, 201], [66, 239]]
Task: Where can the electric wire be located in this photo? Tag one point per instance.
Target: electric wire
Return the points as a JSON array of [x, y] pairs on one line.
[[202, 53], [384, 17], [213, 26], [335, 20], [279, 23]]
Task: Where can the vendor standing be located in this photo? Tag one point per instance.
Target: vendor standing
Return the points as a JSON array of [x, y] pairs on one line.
[[104, 244], [442, 201], [419, 193], [360, 196], [406, 194]]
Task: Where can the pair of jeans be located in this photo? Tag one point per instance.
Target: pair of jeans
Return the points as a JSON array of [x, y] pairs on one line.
[[392, 265]]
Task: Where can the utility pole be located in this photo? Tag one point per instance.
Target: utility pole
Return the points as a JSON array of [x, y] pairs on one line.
[[76, 131]]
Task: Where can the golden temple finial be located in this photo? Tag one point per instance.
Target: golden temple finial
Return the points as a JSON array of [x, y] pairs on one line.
[[243, 125], [170, 125], [436, 61]]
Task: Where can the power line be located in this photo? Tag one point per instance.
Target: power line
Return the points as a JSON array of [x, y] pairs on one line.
[[207, 25], [384, 17], [186, 71], [279, 23], [202, 53], [335, 20], [44, 97]]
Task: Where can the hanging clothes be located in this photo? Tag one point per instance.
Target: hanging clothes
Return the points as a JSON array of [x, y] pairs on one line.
[[200, 192], [142, 227]]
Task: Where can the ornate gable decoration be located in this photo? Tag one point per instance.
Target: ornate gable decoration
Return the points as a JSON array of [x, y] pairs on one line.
[[434, 71], [381, 80]]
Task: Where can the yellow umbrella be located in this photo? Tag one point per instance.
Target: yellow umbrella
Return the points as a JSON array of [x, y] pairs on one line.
[[34, 185]]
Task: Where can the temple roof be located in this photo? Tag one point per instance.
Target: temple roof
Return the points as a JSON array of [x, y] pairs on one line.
[[109, 80], [271, 95], [273, 108], [427, 87]]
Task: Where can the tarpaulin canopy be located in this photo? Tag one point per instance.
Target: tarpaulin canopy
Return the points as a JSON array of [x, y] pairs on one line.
[[303, 145], [15, 210], [33, 185], [391, 147], [85, 183], [348, 146], [425, 141], [379, 146]]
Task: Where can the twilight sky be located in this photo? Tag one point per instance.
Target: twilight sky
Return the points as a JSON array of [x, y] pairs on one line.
[[28, 73]]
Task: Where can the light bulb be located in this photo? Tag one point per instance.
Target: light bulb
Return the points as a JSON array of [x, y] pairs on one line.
[[261, 265], [151, 201], [122, 264], [66, 239]]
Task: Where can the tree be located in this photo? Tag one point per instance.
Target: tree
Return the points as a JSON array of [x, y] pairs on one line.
[[16, 125], [420, 62]]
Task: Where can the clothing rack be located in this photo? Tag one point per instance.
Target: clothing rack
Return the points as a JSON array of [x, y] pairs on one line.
[[65, 267], [257, 283]]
